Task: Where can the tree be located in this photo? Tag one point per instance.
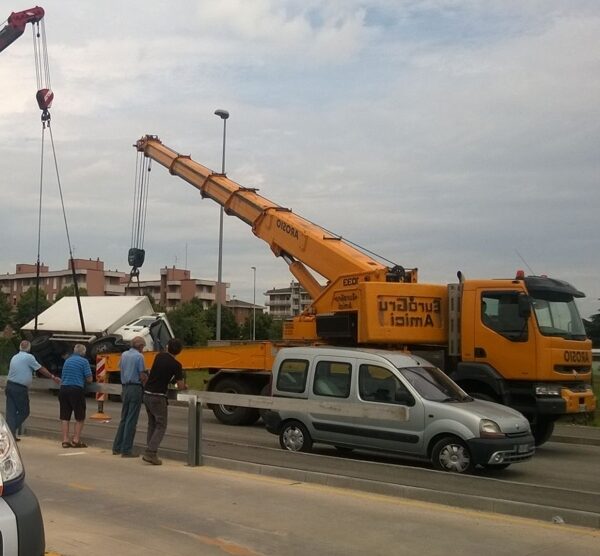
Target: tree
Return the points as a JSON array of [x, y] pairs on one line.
[[189, 323], [5, 311], [264, 328], [69, 291], [26, 307], [229, 328], [592, 329]]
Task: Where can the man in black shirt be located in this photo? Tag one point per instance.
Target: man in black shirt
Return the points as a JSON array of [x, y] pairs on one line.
[[165, 370]]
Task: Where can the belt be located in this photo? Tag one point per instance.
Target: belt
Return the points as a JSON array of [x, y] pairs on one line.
[[16, 384], [155, 393]]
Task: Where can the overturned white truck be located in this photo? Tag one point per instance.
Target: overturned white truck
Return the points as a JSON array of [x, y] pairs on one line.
[[110, 323]]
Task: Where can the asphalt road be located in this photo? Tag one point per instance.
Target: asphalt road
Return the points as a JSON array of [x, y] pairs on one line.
[[561, 477], [96, 504]]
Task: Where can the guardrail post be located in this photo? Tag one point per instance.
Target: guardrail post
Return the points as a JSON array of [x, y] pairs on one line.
[[194, 430]]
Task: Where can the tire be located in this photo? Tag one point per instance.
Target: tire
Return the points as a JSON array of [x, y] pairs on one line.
[[232, 415], [41, 346], [102, 345], [542, 431], [295, 437], [451, 454]]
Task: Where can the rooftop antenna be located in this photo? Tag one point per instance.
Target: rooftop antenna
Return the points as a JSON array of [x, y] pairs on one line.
[[525, 262]]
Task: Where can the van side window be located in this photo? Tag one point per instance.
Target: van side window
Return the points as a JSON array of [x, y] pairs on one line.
[[332, 379], [292, 375], [378, 384]]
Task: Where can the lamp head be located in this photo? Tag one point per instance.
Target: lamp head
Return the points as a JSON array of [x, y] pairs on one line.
[[223, 114]]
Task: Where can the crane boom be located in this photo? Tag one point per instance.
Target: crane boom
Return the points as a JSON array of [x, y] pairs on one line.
[[16, 24], [300, 242]]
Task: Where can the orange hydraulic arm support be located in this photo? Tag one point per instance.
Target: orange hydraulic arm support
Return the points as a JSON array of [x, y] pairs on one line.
[[289, 235]]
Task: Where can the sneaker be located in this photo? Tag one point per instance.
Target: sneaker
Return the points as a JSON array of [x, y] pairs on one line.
[[115, 453], [152, 458]]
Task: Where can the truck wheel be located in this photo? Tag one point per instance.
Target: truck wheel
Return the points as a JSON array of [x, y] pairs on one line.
[[102, 345], [230, 414], [295, 437], [41, 346], [451, 454], [542, 431]]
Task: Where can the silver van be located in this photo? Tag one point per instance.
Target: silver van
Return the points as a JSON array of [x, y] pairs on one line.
[[444, 425]]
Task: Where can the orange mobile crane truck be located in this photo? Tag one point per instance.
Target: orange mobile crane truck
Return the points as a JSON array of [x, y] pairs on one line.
[[519, 341]]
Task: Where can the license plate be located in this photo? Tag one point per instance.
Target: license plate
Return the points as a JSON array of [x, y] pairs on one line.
[[523, 448], [582, 408]]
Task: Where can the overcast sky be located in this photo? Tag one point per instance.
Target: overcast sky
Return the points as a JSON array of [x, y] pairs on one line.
[[444, 135]]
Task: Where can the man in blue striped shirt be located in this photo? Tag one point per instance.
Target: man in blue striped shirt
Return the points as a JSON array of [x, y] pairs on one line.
[[71, 396]]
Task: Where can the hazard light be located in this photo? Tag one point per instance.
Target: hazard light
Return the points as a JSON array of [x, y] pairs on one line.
[[520, 275]]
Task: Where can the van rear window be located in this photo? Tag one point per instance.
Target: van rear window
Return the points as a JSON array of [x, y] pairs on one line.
[[292, 375]]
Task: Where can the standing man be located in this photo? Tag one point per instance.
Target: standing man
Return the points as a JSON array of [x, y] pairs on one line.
[[133, 377], [165, 370], [75, 373], [20, 376]]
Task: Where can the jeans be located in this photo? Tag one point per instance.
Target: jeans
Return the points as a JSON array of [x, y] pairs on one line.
[[17, 405], [130, 411], [157, 409]]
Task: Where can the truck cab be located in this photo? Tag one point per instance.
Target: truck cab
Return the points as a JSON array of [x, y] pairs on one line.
[[522, 343]]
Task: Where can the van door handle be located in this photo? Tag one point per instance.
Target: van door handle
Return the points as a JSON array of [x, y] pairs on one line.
[[480, 352]]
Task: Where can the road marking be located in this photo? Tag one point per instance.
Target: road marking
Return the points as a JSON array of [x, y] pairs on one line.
[[225, 546], [71, 454]]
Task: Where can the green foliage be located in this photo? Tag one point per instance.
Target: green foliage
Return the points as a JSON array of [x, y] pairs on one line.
[[229, 328], [592, 329], [5, 311], [158, 308], [26, 307], [8, 347], [276, 330], [69, 291], [189, 323], [265, 328]]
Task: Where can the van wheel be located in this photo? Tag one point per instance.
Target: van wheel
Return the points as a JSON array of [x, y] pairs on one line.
[[451, 454], [295, 437]]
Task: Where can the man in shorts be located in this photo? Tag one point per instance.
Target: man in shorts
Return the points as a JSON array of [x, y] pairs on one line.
[[75, 373]]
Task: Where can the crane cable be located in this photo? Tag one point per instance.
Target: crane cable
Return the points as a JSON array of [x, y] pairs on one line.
[[136, 253], [44, 98]]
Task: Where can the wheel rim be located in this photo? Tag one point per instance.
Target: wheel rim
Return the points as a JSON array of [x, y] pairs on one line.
[[454, 457], [293, 438], [228, 409]]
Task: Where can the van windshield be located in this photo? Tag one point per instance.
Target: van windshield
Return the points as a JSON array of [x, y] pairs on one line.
[[432, 384]]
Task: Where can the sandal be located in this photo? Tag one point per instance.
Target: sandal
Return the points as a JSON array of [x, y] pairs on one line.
[[66, 444], [79, 444]]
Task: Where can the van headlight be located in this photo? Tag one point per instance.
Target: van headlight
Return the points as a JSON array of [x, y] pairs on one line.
[[490, 429], [11, 466], [548, 389]]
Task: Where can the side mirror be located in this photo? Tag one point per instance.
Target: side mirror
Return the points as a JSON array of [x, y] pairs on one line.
[[524, 306]]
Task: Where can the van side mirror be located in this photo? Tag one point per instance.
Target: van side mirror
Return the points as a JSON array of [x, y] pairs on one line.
[[524, 306]]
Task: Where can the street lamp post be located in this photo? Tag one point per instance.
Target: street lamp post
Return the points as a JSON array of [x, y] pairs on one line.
[[223, 114], [254, 302]]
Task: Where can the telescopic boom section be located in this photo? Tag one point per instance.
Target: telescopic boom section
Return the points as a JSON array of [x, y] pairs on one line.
[[16, 24], [300, 242]]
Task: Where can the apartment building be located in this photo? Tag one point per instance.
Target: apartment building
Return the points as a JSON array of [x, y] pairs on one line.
[[176, 286], [287, 302], [90, 274]]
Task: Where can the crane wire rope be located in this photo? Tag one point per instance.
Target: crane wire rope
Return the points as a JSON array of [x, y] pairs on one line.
[[44, 98], [136, 255]]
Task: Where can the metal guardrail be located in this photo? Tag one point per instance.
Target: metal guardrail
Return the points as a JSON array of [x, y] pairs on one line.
[[195, 399]]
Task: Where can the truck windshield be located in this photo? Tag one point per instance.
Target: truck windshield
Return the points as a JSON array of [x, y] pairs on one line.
[[557, 315], [432, 384]]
